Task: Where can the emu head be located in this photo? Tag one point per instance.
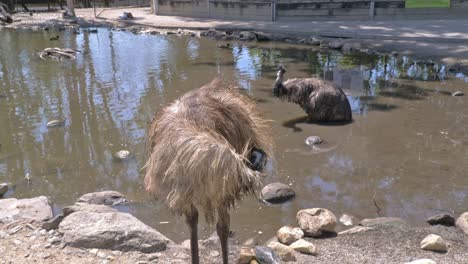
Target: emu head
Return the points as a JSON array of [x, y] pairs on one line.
[[278, 85], [257, 159]]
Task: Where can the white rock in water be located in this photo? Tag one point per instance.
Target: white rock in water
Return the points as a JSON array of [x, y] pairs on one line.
[[434, 243], [55, 123], [122, 154]]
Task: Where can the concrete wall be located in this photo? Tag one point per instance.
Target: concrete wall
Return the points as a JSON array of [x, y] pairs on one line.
[[306, 10]]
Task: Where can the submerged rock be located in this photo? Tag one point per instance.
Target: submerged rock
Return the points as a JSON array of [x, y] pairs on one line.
[[441, 219], [434, 243], [348, 220], [122, 154], [104, 197], [52, 223], [277, 193], [458, 93], [313, 140], [115, 231], [335, 44], [383, 221], [35, 209], [288, 234], [316, 221]]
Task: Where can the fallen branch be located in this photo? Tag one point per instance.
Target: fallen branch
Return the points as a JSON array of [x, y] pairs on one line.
[[57, 54]]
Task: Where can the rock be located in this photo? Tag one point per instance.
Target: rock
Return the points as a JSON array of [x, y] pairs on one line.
[[304, 247], [349, 47], [93, 251], [266, 255], [3, 189], [286, 253], [94, 208], [263, 36], [213, 240], [246, 255], [115, 231], [348, 220], [313, 41], [186, 245], [462, 222], [355, 230], [247, 35], [288, 234], [441, 219], [52, 223], [458, 93], [383, 221], [335, 44], [35, 209], [316, 221], [104, 197], [422, 261], [101, 255], [122, 154], [434, 243], [313, 140], [251, 242], [56, 123], [277, 193], [55, 240]]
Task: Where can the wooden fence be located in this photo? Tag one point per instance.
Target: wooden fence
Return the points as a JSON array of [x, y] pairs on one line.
[[304, 10]]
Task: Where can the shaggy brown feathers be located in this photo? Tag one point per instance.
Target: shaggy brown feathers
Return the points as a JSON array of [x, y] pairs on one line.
[[199, 147], [321, 100]]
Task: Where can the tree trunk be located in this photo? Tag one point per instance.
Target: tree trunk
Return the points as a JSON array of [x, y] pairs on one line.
[[71, 7], [9, 5]]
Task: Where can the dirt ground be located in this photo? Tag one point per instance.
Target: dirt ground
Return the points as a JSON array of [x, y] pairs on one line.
[[386, 244]]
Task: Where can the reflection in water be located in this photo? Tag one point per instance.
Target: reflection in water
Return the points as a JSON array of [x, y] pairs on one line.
[[405, 149]]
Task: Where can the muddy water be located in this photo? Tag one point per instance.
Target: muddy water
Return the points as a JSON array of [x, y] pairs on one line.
[[405, 154]]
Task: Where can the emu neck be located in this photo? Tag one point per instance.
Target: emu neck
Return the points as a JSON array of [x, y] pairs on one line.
[[278, 85]]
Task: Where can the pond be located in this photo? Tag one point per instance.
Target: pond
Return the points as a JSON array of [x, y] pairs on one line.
[[405, 154]]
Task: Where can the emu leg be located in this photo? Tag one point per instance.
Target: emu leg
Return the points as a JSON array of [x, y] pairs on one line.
[[222, 228], [192, 221]]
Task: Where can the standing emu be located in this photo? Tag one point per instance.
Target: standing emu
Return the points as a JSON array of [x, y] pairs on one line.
[[206, 152], [322, 100]]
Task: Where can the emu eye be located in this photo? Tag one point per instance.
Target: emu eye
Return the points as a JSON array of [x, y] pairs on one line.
[[257, 159]]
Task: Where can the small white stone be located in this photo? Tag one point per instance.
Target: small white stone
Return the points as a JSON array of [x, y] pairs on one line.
[[101, 255], [434, 243], [93, 251], [43, 232], [288, 234]]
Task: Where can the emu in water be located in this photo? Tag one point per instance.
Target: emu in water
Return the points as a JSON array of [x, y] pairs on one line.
[[322, 100], [206, 153]]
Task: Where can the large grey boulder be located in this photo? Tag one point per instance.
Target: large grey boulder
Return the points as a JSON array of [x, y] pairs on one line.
[[277, 193], [111, 230], [316, 221], [36, 209], [104, 197]]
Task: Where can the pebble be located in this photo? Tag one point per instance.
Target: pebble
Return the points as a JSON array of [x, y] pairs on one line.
[[288, 234], [55, 240], [348, 220], [43, 232], [434, 243], [101, 255], [122, 154], [116, 253], [93, 251], [304, 247], [17, 242], [246, 255], [313, 140], [15, 230], [111, 258], [32, 238], [48, 245], [214, 253]]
